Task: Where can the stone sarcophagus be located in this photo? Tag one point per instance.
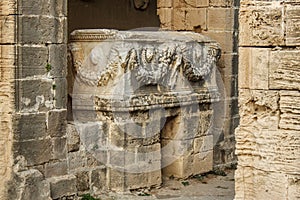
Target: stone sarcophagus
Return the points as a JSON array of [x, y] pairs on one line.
[[142, 103]]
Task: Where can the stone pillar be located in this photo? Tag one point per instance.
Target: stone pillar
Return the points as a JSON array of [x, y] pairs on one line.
[[268, 137], [33, 96], [7, 76], [217, 19]]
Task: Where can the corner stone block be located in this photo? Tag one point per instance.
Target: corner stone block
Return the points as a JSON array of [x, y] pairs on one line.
[[58, 60], [181, 167], [60, 93], [35, 152], [51, 30], [34, 95], [261, 25], [62, 186], [254, 68], [57, 123], [73, 138], [32, 61], [29, 126]]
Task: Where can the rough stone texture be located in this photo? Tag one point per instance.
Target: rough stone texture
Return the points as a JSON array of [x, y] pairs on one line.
[[7, 75], [268, 135], [27, 97], [218, 19], [62, 186], [134, 139]]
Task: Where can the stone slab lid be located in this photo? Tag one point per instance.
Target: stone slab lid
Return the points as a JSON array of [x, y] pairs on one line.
[[88, 35]]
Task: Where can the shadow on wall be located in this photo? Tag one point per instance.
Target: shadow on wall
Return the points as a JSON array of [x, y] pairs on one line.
[[112, 14]]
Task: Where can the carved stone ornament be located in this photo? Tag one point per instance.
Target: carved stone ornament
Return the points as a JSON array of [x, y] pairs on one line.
[[170, 61]]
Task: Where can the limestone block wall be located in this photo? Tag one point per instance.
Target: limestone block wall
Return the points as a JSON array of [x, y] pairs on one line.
[[7, 50], [217, 19], [268, 137], [33, 97]]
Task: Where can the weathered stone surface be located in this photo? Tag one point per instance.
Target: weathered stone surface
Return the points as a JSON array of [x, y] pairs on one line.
[[196, 18], [58, 60], [7, 7], [82, 180], [29, 126], [35, 152], [53, 169], [255, 71], [180, 167], [247, 187], [203, 162], [73, 138], [51, 30], [59, 148], [98, 180], [77, 161], [44, 7], [56, 123], [7, 72], [271, 151], [290, 110], [35, 187], [220, 19], [60, 93], [32, 61], [7, 35], [62, 186], [221, 3], [143, 180], [292, 25], [285, 69], [259, 109], [165, 17], [35, 95], [261, 26]]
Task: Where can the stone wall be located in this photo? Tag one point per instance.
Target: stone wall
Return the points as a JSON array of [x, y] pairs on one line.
[[218, 20], [7, 76], [268, 136], [33, 96]]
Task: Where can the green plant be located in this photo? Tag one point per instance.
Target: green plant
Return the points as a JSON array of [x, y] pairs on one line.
[[185, 183], [143, 194], [48, 67], [219, 172], [88, 197]]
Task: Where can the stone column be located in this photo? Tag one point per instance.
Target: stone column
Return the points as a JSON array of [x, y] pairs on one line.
[[33, 96], [268, 137]]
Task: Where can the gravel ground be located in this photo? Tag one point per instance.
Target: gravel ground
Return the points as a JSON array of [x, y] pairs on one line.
[[209, 187]]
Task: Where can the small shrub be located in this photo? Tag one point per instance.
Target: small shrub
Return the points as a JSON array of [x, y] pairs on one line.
[[88, 197]]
